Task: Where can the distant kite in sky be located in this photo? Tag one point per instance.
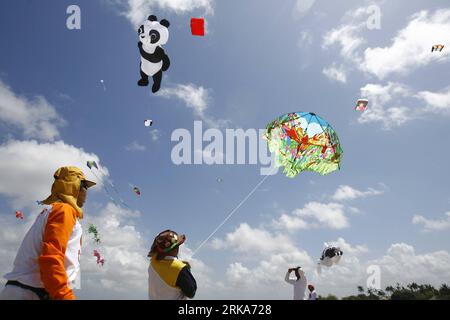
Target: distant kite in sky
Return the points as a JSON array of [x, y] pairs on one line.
[[219, 180], [330, 256], [137, 191], [197, 26], [148, 122], [100, 260], [93, 230], [91, 164], [19, 215], [303, 141], [103, 83], [437, 47], [361, 105]]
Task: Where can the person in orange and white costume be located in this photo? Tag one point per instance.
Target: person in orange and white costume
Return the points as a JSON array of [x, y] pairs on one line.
[[47, 264]]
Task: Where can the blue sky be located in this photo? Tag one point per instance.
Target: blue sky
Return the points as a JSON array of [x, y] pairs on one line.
[[258, 60]]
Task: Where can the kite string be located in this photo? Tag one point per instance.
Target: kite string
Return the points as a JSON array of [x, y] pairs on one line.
[[232, 212], [108, 192]]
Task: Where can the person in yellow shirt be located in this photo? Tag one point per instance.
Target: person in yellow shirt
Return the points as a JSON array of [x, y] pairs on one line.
[[168, 277]]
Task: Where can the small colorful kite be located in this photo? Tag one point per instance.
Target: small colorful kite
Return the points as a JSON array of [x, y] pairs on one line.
[[148, 123], [137, 191], [100, 260], [197, 26], [91, 164], [93, 229], [303, 141], [19, 215], [361, 105], [437, 47]]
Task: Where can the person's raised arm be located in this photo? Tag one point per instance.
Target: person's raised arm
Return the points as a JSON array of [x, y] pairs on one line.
[[286, 278]]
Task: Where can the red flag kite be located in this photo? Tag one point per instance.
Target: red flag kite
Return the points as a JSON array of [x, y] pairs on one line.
[[198, 26]]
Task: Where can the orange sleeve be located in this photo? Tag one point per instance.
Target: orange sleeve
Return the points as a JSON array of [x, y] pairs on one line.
[[58, 230]]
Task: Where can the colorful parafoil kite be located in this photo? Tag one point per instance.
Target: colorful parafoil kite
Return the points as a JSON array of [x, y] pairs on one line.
[[148, 123], [303, 141], [437, 47], [197, 26], [137, 191], [361, 105], [91, 164], [19, 215], [100, 260], [330, 256], [93, 230]]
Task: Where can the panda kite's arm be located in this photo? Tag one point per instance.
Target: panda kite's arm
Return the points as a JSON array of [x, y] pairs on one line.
[[165, 60], [155, 57]]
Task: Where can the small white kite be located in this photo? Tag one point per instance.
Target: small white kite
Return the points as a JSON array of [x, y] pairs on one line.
[[330, 256]]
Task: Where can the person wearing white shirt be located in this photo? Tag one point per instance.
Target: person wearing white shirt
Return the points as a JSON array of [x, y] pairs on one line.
[[299, 283], [312, 292]]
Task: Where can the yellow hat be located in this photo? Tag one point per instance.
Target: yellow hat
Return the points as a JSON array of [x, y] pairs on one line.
[[67, 187]]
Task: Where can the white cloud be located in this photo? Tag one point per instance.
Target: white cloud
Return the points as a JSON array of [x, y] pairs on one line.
[[28, 166], [385, 105], [314, 215], [135, 146], [348, 38], [303, 6], [246, 239], [125, 252], [433, 225], [36, 118], [138, 10], [195, 98], [411, 47], [335, 73], [267, 257], [437, 102], [345, 192], [403, 265]]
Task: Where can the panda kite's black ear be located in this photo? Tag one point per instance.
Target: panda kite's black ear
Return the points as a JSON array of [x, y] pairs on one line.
[[152, 18], [165, 23]]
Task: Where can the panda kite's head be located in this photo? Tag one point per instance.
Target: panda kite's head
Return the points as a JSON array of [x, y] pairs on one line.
[[154, 33]]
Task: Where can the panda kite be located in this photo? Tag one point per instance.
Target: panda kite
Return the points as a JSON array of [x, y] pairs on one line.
[[152, 35]]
